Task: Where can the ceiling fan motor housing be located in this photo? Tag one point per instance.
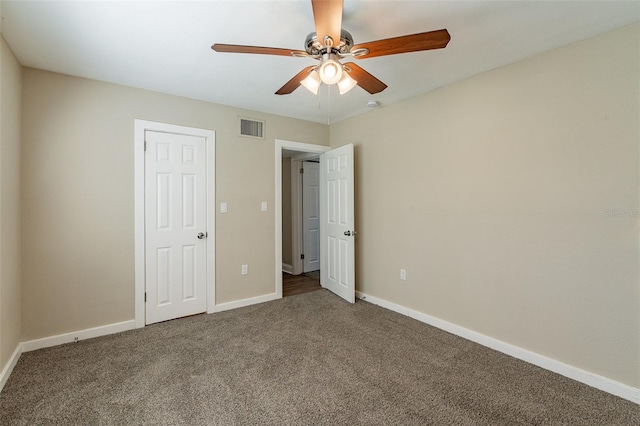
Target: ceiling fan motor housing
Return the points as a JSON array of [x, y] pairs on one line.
[[316, 48]]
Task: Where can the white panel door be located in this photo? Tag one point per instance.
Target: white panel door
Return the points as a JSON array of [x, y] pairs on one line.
[[175, 215], [311, 215], [337, 257]]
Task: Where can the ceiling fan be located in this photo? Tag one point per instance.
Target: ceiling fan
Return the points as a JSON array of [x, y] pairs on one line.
[[330, 43]]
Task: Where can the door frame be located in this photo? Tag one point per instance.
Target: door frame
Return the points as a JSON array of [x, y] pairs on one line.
[[300, 147], [140, 127]]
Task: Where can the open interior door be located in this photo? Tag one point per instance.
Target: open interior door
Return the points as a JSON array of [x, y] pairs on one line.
[[337, 244]]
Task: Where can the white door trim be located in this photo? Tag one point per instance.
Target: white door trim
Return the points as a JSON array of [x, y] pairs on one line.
[[140, 126], [293, 146]]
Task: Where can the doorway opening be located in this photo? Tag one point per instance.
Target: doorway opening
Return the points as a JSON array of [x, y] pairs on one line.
[[300, 223], [291, 277], [336, 216]]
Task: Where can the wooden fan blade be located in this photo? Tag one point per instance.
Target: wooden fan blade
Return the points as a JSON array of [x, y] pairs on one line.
[[405, 44], [365, 80], [238, 48], [293, 84], [327, 15]]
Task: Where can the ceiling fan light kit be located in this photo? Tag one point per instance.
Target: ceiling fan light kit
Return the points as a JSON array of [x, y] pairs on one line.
[[328, 74], [322, 46]]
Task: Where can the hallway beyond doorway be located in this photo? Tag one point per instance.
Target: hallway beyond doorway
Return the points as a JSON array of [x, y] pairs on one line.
[[299, 284]]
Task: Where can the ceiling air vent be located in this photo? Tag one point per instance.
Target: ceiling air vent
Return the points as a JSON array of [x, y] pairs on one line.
[[251, 128]]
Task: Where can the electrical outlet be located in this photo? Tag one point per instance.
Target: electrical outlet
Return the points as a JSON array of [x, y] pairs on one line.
[[403, 274], [245, 269], [264, 206]]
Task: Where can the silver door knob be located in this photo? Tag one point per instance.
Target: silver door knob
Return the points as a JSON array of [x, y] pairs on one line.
[[202, 235]]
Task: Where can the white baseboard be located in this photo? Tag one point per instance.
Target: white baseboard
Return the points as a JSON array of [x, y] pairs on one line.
[[599, 382], [89, 333], [245, 302], [287, 268], [6, 371]]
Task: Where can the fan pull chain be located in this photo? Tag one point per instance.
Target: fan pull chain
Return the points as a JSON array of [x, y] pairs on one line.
[[328, 104]]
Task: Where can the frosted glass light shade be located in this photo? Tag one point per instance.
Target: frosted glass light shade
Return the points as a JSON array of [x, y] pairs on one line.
[[312, 82], [330, 71], [346, 83]]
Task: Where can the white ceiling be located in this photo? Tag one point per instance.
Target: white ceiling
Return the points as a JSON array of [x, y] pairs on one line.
[[165, 46]]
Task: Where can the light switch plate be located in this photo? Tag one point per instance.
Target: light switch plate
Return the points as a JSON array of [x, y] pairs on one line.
[[264, 206], [245, 269], [223, 207]]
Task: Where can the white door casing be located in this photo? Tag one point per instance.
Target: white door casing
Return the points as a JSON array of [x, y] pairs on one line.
[[311, 215], [337, 222], [175, 213]]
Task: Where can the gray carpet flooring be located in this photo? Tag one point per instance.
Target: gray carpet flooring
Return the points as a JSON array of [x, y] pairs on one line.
[[307, 359]]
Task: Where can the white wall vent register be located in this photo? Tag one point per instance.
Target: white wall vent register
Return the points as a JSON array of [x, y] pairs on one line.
[[252, 128]]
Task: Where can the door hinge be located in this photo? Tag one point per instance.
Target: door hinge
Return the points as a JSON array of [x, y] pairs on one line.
[[145, 145], [302, 256], [301, 170], [145, 297]]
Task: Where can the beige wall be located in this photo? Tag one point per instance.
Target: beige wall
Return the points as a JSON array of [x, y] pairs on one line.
[[287, 245], [10, 100], [77, 197], [493, 194]]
